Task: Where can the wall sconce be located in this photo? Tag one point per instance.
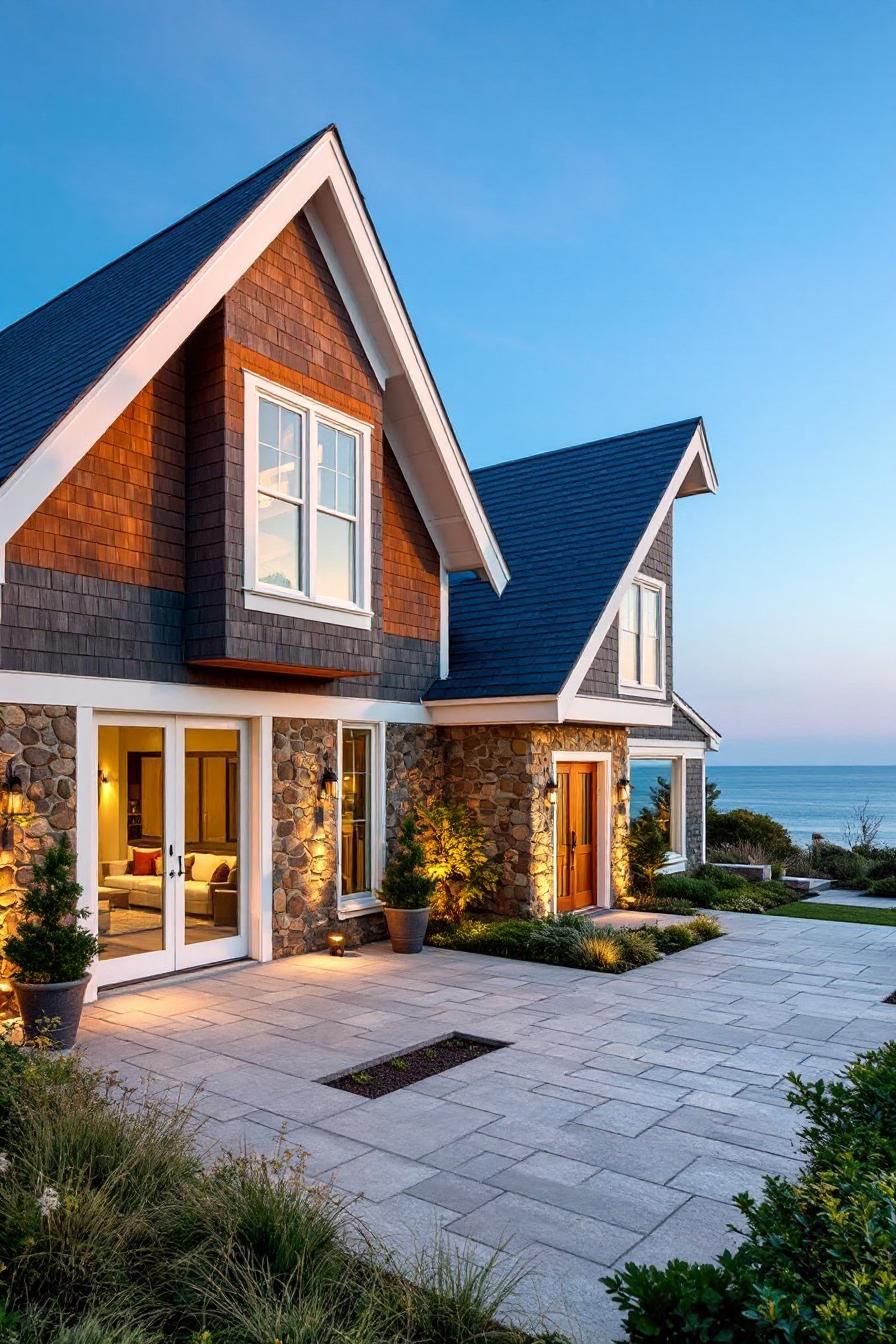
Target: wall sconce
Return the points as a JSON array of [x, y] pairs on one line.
[[624, 789], [336, 944], [328, 781], [550, 792], [14, 806], [101, 777]]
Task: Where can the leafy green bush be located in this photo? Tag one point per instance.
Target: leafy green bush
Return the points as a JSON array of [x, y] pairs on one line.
[[457, 859], [694, 890], [817, 1263], [771, 894], [48, 946], [113, 1232], [882, 863], [738, 902], [674, 937], [722, 878], [498, 938], [743, 827], [842, 866], [884, 886], [663, 905]]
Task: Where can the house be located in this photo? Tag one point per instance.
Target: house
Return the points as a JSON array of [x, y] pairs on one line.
[[254, 604]]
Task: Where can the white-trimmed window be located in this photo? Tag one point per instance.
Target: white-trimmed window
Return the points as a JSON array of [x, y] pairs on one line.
[[658, 784], [642, 642], [361, 817], [307, 507]]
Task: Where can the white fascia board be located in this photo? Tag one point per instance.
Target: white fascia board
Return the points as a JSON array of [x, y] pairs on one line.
[[498, 709], [659, 747], [697, 451], [690, 713], [617, 713], [166, 697], [384, 327]]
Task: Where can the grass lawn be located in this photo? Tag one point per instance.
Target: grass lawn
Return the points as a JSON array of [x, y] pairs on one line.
[[842, 914]]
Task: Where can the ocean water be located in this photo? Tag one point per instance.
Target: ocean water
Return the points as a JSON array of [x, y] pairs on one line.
[[804, 798]]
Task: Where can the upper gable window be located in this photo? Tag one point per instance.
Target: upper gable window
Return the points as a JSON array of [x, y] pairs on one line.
[[642, 656], [308, 509]]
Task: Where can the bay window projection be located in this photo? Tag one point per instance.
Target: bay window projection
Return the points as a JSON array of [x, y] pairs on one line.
[[310, 510], [641, 637]]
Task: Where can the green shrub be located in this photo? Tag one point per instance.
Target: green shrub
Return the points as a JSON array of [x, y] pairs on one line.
[[500, 938], [817, 1262], [648, 848], [694, 890], [674, 937], [406, 884], [662, 905], [738, 902], [842, 866], [771, 894], [456, 856], [879, 868], [557, 942], [48, 946], [722, 878], [743, 827], [884, 886], [638, 947], [706, 927]]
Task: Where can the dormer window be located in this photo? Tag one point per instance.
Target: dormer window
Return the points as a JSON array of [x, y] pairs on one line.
[[642, 652], [307, 507]]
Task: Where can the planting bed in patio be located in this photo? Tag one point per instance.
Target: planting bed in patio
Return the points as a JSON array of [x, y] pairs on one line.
[[412, 1066]]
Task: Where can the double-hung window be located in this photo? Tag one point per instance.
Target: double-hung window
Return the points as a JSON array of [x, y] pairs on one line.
[[642, 638], [307, 508]]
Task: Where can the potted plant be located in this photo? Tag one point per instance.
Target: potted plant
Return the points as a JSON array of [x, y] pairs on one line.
[[406, 892], [49, 953]]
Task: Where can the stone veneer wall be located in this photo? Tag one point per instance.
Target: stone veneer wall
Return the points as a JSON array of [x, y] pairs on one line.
[[694, 813], [40, 739], [501, 772], [415, 770]]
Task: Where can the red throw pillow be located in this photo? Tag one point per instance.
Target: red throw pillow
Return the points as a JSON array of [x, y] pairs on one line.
[[145, 862], [221, 873]]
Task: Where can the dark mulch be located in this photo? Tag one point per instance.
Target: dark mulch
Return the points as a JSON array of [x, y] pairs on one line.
[[410, 1066]]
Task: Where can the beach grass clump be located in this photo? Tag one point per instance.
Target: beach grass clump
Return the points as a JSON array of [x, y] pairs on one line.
[[116, 1229]]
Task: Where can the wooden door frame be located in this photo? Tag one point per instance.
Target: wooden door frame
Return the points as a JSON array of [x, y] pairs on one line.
[[603, 821]]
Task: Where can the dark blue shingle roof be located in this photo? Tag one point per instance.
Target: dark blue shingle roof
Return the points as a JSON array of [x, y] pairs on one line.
[[567, 523], [51, 357]]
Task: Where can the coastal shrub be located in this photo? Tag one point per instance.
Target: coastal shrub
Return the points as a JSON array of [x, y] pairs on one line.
[[743, 827], [679, 887], [493, 938], [660, 905], [817, 1262], [738, 902], [706, 928], [800, 863], [456, 858], [557, 942], [112, 1231], [882, 863], [674, 937], [648, 847], [884, 886], [638, 946], [743, 852], [721, 878], [842, 866]]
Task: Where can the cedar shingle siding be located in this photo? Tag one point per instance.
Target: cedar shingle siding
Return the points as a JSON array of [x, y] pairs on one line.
[[134, 565]]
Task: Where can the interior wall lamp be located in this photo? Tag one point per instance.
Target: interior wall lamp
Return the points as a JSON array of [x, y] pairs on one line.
[[550, 792], [14, 805]]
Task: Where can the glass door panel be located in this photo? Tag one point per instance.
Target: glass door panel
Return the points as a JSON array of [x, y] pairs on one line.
[[134, 896]]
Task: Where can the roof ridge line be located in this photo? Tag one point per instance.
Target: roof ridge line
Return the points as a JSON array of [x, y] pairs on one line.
[[588, 443], [168, 228]]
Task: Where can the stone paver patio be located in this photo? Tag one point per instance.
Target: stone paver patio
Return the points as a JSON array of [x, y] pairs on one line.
[[617, 1125]]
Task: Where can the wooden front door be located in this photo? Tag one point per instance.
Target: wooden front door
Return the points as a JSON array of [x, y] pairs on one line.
[[576, 835]]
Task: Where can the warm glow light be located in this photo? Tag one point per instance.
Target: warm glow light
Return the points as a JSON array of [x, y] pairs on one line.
[[14, 806], [550, 791], [336, 944]]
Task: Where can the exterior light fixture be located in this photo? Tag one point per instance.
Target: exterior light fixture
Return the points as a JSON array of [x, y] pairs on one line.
[[328, 781], [14, 806], [550, 792], [624, 788], [101, 776], [336, 944]]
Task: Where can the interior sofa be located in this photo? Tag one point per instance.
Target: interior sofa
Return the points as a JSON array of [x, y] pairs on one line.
[[199, 889]]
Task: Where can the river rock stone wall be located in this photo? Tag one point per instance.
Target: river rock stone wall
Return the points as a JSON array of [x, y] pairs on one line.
[[40, 742], [415, 770], [501, 773]]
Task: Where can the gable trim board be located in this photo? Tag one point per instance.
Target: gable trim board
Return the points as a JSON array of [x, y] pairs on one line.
[[437, 473], [695, 474], [713, 734]]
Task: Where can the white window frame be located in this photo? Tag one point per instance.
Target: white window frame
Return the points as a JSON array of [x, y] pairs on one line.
[[364, 902], [307, 604], [677, 757], [639, 688]]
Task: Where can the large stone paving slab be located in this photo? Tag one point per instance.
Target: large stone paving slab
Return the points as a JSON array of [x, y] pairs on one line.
[[617, 1125]]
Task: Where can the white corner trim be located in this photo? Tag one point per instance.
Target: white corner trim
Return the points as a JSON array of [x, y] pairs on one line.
[[444, 616], [624, 713], [86, 860], [697, 451], [324, 163], [689, 712], [261, 845]]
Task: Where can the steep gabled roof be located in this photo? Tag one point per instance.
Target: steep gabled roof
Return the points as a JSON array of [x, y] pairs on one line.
[[569, 523], [51, 357]]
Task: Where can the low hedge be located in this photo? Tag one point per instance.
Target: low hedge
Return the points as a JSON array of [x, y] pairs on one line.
[[818, 1263], [715, 889], [573, 940], [884, 886]]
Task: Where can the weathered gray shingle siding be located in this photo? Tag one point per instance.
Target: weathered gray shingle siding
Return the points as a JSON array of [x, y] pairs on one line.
[[683, 730], [694, 812]]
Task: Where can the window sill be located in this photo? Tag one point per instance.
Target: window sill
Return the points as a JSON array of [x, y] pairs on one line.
[[303, 609], [642, 692], [364, 903]]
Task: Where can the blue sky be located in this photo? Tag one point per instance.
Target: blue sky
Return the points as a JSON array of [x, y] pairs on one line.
[[602, 216]]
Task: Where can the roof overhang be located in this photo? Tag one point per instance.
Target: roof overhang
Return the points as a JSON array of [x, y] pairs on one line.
[[713, 736], [599, 710], [322, 184]]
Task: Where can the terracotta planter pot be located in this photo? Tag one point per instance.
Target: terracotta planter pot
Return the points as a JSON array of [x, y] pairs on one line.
[[407, 928], [51, 1012]]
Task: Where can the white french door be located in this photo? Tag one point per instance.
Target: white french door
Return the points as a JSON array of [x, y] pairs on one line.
[[172, 832]]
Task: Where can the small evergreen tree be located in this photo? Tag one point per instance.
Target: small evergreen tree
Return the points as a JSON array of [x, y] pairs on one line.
[[648, 850], [48, 947], [454, 844], [406, 884]]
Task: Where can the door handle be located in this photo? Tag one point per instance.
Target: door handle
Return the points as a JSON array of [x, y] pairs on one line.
[[180, 865], [573, 842]]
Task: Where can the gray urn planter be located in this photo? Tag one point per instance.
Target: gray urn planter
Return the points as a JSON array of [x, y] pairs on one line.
[[51, 1012], [407, 928]]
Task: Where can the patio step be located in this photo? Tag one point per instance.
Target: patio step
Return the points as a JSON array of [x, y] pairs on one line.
[[811, 884]]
